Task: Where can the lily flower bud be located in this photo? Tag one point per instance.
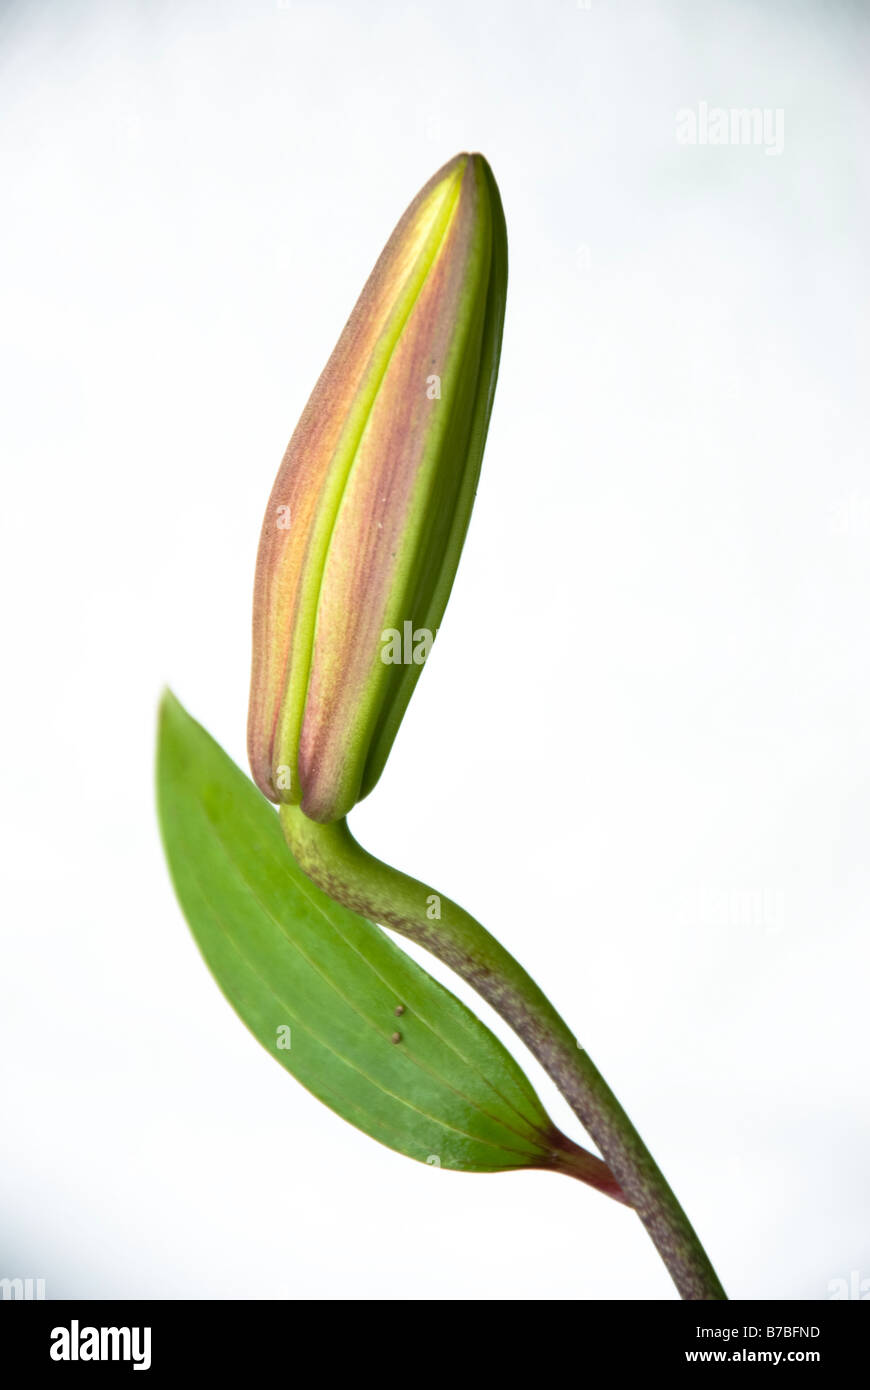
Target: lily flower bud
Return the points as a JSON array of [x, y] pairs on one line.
[[369, 510]]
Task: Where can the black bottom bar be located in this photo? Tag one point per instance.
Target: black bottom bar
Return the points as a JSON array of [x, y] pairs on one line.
[[71, 1337]]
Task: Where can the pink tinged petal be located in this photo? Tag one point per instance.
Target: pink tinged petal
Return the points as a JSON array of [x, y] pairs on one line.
[[378, 479], [287, 563]]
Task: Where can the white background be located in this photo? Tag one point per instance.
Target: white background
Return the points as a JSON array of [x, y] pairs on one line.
[[640, 752]]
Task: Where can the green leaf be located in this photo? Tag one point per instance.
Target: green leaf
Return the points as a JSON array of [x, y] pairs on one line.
[[288, 958]]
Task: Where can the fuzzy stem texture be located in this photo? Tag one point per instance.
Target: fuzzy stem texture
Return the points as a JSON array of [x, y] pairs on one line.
[[334, 860]]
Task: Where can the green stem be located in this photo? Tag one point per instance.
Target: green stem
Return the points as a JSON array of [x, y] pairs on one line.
[[337, 863]]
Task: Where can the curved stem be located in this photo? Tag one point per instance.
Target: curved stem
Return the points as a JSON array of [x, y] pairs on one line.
[[341, 867]]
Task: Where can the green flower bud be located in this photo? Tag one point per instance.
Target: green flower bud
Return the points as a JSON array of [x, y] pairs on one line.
[[369, 511]]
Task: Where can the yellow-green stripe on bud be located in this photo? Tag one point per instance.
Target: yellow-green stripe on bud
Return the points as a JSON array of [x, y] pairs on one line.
[[370, 507]]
